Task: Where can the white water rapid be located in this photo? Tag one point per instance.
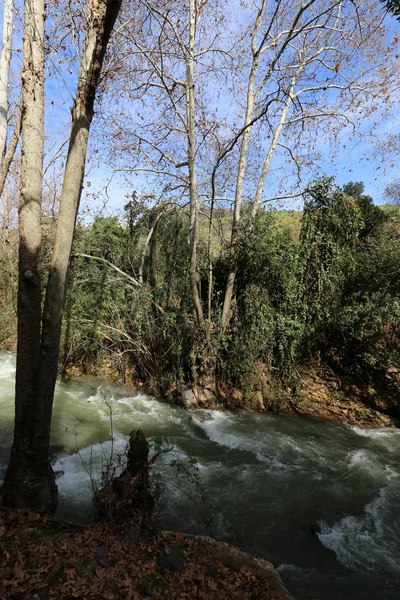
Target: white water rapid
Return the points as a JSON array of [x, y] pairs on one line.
[[319, 500]]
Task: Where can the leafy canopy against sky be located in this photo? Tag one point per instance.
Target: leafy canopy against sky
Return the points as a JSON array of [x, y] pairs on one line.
[[366, 149]]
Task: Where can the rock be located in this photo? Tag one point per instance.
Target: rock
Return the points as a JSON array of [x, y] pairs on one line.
[[237, 398], [120, 498], [186, 398], [174, 561], [259, 401], [205, 396], [214, 554]]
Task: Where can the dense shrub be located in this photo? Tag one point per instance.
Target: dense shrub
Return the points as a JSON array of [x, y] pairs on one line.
[[328, 296]]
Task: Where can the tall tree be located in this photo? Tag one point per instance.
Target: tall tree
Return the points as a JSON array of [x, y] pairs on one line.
[[166, 132], [29, 480], [5, 59], [6, 154], [311, 68], [267, 88]]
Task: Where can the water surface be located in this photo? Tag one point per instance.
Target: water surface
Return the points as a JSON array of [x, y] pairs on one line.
[[320, 500]]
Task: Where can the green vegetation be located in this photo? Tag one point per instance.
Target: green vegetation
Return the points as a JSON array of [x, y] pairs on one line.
[[327, 297], [315, 289]]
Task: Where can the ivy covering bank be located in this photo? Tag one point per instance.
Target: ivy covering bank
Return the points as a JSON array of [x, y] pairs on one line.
[[318, 290]]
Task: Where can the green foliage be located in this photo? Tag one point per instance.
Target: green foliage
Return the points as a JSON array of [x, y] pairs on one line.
[[373, 216], [327, 295], [8, 302], [393, 6], [351, 283], [265, 327], [97, 296], [328, 238]]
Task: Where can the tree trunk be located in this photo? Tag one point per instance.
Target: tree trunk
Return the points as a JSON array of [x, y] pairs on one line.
[[244, 147], [34, 405], [101, 19], [5, 59], [272, 146], [146, 247], [193, 188], [9, 155], [5, 223], [29, 480]]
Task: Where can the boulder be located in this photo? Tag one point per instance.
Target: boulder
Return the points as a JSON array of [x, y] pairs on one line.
[[186, 398]]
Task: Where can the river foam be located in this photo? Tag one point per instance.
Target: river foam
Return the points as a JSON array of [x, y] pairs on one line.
[[274, 480], [368, 542]]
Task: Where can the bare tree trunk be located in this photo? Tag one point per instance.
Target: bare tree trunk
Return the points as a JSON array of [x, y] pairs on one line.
[[5, 59], [5, 224], [101, 18], [9, 155], [272, 146], [257, 48], [193, 188], [210, 266], [146, 247], [29, 480], [244, 148]]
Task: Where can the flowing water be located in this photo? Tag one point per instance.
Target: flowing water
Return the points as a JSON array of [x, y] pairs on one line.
[[319, 500]]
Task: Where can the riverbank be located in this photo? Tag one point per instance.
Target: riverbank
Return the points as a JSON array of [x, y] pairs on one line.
[[317, 394], [324, 397], [46, 559]]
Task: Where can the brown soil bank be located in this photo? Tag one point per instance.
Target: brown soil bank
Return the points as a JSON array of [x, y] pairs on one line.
[[318, 395], [367, 406], [45, 560]]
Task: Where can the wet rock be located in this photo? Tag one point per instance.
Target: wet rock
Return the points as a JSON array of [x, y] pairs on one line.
[[174, 561], [186, 398], [237, 399], [205, 394]]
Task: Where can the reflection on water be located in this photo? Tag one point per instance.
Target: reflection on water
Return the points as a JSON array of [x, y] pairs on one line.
[[319, 500]]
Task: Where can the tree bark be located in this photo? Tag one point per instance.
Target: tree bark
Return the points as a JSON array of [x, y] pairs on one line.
[[37, 370], [5, 224], [244, 148], [9, 155], [29, 479], [101, 19], [146, 247], [5, 59], [193, 187]]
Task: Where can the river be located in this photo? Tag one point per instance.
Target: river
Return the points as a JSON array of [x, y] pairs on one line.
[[320, 500]]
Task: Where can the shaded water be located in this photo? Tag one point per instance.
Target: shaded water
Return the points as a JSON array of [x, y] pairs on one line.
[[319, 500]]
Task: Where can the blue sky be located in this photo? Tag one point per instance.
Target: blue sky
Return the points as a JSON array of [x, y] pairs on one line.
[[107, 191]]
